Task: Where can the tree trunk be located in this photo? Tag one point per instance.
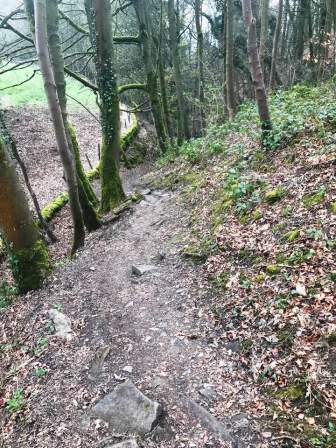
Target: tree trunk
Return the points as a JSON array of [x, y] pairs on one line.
[[230, 94], [200, 62], [264, 12], [87, 196], [165, 105], [57, 119], [28, 253], [183, 126], [12, 144], [300, 29], [256, 71], [276, 45], [99, 19], [148, 54]]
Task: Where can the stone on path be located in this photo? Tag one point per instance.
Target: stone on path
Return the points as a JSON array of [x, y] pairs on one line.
[[62, 324], [207, 391], [208, 421], [131, 443], [142, 269], [127, 410]]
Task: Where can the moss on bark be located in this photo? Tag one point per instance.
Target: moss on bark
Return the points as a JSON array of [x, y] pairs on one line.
[[79, 168], [30, 266]]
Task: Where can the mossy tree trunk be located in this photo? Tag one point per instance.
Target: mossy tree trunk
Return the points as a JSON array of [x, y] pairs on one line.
[[41, 38], [182, 120], [87, 196], [149, 54], [99, 20], [256, 70], [29, 257]]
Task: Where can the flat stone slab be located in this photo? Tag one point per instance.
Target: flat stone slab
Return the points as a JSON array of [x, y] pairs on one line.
[[131, 443], [142, 269], [127, 410]]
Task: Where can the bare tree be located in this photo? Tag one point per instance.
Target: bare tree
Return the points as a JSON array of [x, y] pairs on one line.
[[256, 71], [230, 96], [276, 45], [57, 119]]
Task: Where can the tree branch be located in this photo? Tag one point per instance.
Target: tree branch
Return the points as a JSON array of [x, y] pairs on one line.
[[134, 86]]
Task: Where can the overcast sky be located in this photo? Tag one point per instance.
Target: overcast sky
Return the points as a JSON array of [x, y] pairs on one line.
[[7, 6]]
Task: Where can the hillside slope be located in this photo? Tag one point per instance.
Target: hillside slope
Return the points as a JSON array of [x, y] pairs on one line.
[[237, 314], [263, 224]]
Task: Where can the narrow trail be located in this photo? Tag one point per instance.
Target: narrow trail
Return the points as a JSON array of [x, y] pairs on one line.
[[149, 323]]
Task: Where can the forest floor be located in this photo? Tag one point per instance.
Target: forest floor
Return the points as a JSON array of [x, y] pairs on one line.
[[239, 319]]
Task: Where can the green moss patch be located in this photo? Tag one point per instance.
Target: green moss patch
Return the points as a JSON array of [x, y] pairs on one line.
[[256, 215], [260, 278], [273, 196], [293, 393], [292, 235], [316, 198], [50, 210], [273, 269], [333, 208]]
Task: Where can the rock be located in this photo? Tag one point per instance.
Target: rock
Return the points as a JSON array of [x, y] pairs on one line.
[[161, 434], [142, 269], [161, 255], [98, 361], [160, 382], [145, 191], [62, 324], [126, 410], [233, 346], [208, 421], [131, 443], [128, 369], [207, 391]]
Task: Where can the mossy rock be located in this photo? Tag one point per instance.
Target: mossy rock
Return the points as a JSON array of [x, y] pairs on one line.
[[136, 197], [274, 195], [310, 200], [273, 269], [292, 393], [292, 235], [333, 208]]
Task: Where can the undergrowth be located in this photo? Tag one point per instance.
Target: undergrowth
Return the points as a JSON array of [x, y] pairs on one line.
[[301, 109]]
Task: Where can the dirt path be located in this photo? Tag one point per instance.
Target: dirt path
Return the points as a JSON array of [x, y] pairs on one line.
[[151, 323]]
